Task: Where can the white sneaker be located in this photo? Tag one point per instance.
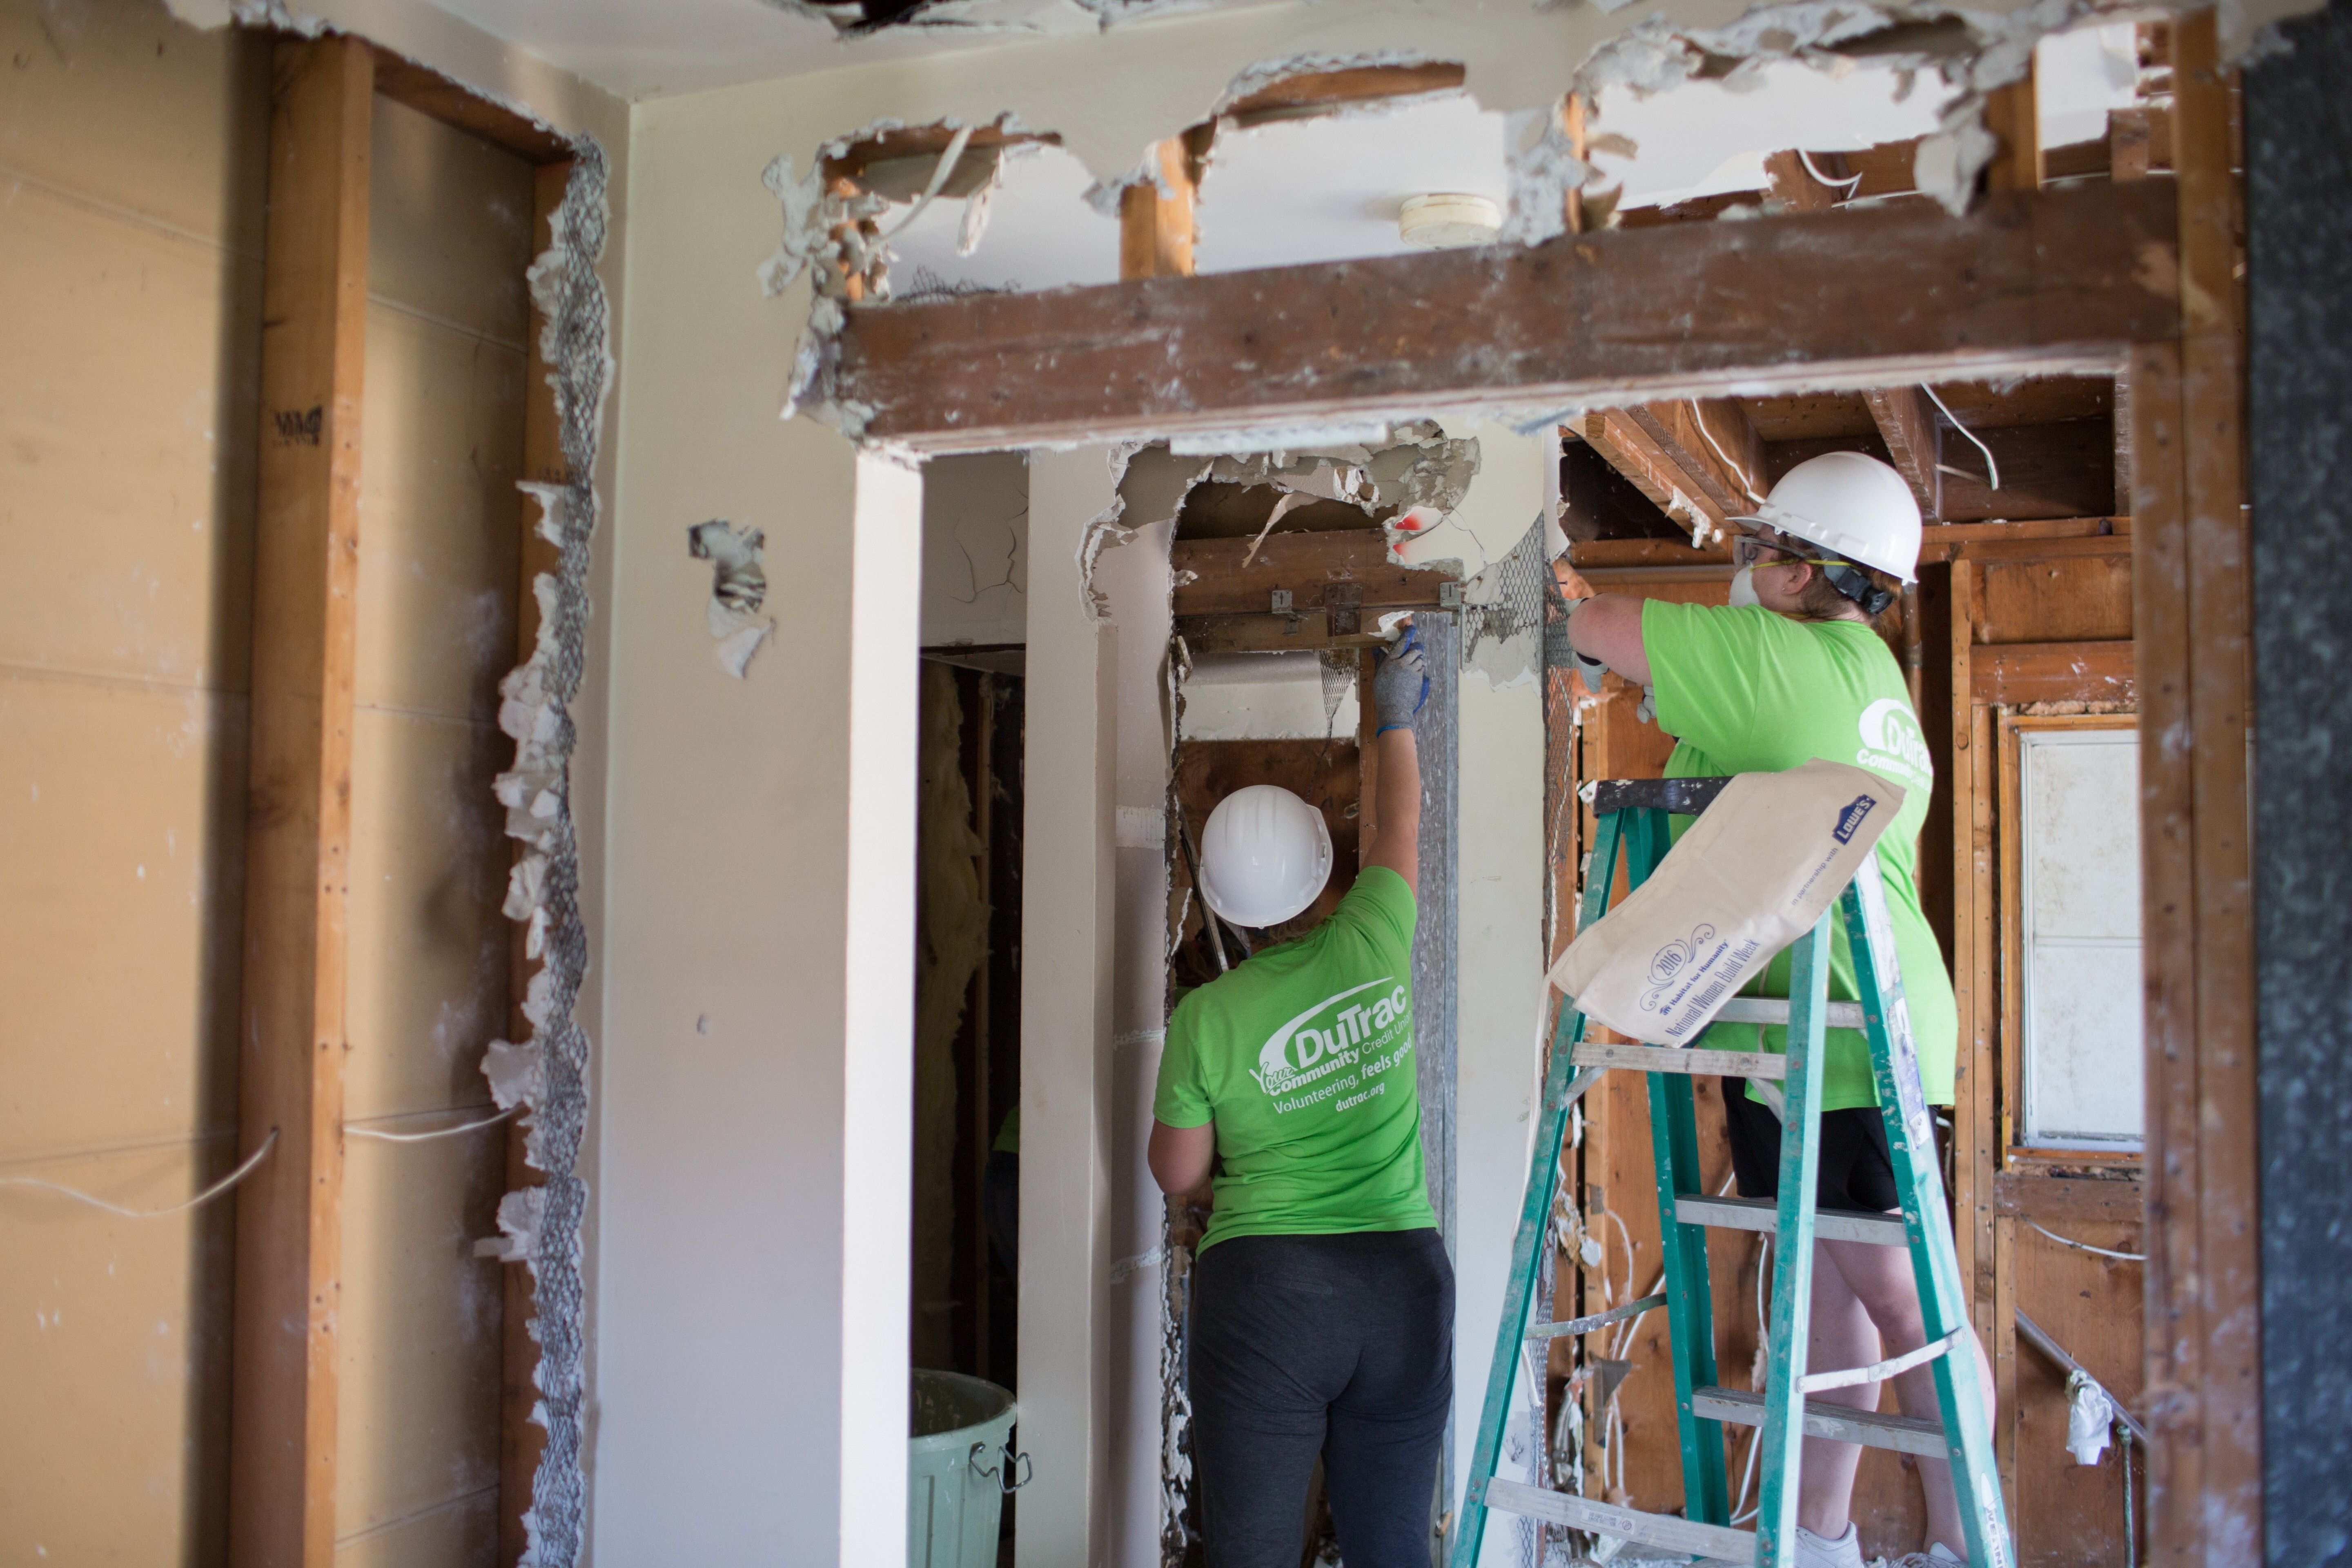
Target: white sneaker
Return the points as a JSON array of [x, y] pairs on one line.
[[1845, 1552], [1938, 1556]]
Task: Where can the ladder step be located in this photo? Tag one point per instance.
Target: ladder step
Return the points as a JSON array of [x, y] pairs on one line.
[[1838, 1423], [1764, 1214], [1675, 1058], [1775, 1010], [1709, 1540]]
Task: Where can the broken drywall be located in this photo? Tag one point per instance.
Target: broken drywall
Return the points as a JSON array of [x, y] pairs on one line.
[[548, 1073], [738, 588]]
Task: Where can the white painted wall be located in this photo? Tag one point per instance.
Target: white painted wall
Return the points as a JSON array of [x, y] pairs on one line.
[[1068, 1140]]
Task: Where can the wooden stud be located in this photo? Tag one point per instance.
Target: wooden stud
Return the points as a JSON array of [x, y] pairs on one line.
[[2047, 279], [297, 841], [2203, 1279], [1794, 185], [521, 1441], [1303, 565], [2010, 674], [1317, 92], [1156, 225], [1906, 421], [1975, 1157], [1574, 110], [436, 97], [2012, 113]]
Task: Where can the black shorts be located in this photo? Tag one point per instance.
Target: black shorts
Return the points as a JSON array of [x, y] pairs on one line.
[[1857, 1171]]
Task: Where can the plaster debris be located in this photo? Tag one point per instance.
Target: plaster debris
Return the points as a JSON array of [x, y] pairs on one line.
[[521, 1213], [801, 198], [517, 1074], [1543, 169], [738, 588]]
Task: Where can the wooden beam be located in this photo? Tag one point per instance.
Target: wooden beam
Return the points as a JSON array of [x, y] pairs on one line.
[[1628, 447], [2005, 674], [1229, 580], [1156, 226], [1794, 184], [2012, 114], [1605, 552], [2097, 1201], [522, 1441], [1907, 421], [1976, 1152], [1315, 93], [2053, 281], [2191, 573], [1714, 443], [1940, 541], [282, 1427], [431, 94]]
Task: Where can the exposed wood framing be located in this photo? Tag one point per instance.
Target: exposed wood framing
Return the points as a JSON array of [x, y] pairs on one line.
[[2054, 281], [2191, 569], [297, 841], [1309, 566], [1907, 421], [430, 93], [1975, 1129], [521, 1441], [2008, 674], [1156, 225], [2012, 113], [1795, 186], [1315, 93], [1941, 541]]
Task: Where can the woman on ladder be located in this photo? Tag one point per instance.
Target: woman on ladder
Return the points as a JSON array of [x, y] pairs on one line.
[[1791, 670]]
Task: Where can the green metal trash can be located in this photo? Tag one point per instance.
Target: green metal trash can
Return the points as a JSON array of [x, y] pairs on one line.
[[959, 1464]]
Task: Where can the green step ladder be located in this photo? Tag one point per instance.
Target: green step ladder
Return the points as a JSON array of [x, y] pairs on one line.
[[1633, 824]]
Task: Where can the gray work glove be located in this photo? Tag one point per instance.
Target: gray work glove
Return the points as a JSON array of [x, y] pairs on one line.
[[1399, 683]]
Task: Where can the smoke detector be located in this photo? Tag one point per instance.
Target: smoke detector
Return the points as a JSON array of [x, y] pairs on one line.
[[1447, 220]]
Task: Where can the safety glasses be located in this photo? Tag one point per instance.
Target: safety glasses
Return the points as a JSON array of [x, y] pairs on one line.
[[1753, 549]]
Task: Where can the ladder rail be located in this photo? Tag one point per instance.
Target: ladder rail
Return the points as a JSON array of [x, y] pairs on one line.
[[1792, 1255], [1960, 1395], [1528, 1252]]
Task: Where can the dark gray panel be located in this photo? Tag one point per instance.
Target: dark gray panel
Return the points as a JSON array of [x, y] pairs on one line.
[[2298, 180]]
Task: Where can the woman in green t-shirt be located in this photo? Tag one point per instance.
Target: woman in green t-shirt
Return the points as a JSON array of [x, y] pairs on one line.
[[1791, 670]]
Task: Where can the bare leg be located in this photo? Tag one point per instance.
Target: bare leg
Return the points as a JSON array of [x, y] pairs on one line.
[[1842, 1336], [1880, 1278]]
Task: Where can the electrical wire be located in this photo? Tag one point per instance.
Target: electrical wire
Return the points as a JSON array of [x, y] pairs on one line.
[[1745, 482], [1844, 187], [215, 1190], [352, 1131], [1992, 467], [2086, 1247]]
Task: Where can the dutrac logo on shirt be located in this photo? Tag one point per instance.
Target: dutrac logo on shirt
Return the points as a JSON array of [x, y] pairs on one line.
[[1335, 1047], [1892, 743]]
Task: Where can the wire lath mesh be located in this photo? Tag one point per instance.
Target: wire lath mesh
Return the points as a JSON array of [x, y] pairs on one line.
[[568, 292], [1505, 602]]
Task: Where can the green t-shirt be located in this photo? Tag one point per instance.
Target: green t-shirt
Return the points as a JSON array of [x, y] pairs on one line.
[[1747, 690], [1303, 1057]]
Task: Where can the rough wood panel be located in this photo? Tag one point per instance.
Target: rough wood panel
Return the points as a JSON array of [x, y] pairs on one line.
[[2059, 469], [1649, 465], [1710, 441], [2012, 113], [1305, 564], [2056, 1200], [2072, 1516], [1941, 541], [2036, 278], [2017, 673], [288, 1214], [2065, 598], [1588, 555]]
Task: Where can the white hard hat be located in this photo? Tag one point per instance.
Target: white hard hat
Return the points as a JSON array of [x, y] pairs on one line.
[[1851, 503], [1264, 855]]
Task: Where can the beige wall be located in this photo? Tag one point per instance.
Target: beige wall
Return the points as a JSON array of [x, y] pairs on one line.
[[130, 262], [440, 541]]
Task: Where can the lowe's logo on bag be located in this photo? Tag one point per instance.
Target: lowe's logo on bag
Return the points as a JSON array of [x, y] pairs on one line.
[[1850, 817]]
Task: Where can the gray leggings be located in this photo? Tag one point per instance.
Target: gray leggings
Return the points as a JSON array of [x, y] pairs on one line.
[[1341, 1346]]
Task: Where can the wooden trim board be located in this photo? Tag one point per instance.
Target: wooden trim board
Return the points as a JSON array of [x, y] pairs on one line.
[[282, 1458]]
